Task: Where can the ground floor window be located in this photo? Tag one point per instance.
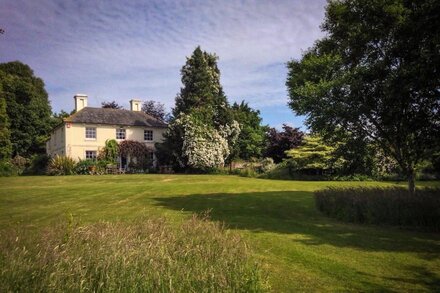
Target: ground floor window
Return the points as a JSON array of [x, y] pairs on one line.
[[91, 155]]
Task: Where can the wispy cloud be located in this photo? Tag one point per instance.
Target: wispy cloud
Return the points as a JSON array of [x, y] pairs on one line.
[[125, 49]]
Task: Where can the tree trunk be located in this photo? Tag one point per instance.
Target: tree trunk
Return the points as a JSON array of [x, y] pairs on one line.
[[411, 180]]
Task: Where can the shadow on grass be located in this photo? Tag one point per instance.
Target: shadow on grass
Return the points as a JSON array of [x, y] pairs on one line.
[[422, 276], [293, 212]]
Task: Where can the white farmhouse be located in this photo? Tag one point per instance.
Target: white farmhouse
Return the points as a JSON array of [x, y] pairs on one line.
[[81, 135]]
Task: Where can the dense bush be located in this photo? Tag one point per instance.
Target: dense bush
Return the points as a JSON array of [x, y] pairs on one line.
[[247, 171], [20, 163], [38, 165], [8, 169], [266, 165], [85, 167], [142, 256], [388, 206], [61, 165]]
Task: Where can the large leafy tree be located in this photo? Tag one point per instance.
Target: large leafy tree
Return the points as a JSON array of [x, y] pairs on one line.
[[251, 140], [376, 75], [312, 155], [278, 142], [111, 105], [58, 118], [201, 102], [155, 109], [5, 134], [27, 107]]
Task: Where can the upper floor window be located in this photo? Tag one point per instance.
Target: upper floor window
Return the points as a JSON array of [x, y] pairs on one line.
[[91, 155], [91, 132], [120, 133], [148, 135]]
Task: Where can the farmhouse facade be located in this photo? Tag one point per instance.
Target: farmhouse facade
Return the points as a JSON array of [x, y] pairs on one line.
[[82, 135]]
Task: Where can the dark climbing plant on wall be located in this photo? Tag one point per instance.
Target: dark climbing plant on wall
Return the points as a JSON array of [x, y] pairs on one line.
[[138, 151], [133, 149]]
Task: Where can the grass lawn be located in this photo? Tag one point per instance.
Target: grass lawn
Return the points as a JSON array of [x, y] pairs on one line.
[[300, 249]]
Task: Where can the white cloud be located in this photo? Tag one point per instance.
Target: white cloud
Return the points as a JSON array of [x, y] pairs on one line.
[[125, 49]]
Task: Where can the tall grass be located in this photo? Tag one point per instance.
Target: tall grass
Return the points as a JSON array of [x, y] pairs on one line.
[[390, 206], [141, 256]]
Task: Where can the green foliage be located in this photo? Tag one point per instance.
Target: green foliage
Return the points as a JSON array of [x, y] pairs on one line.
[[110, 151], [382, 206], [374, 76], [201, 103], [85, 167], [358, 156], [37, 165], [251, 141], [27, 107], [353, 177], [20, 163], [266, 165], [147, 255], [8, 169], [247, 171], [58, 118], [5, 134], [202, 89], [313, 154], [61, 165], [111, 105], [155, 109], [133, 148], [254, 167], [281, 171], [138, 153]]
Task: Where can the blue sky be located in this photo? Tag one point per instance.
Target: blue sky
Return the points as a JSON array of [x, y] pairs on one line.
[[119, 50]]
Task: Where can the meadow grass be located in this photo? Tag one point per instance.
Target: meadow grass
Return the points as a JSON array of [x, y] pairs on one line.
[[147, 255], [298, 247]]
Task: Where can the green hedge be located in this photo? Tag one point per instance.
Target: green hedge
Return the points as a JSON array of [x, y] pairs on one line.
[[387, 206]]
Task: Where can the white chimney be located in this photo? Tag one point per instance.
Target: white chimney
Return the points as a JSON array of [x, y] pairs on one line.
[[135, 105], [80, 102]]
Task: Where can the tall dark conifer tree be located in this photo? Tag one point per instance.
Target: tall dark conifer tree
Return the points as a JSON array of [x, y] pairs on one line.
[[202, 97], [202, 91]]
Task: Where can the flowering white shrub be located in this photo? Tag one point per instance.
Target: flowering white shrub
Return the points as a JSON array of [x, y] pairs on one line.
[[203, 146]]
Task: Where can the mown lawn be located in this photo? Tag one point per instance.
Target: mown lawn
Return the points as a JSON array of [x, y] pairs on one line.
[[300, 249]]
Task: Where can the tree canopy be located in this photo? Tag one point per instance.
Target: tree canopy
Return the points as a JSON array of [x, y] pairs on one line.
[[201, 133], [251, 141], [155, 109], [375, 76], [312, 154], [111, 105], [278, 142], [5, 134], [202, 91], [27, 107]]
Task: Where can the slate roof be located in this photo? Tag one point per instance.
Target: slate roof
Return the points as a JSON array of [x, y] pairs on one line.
[[114, 117]]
